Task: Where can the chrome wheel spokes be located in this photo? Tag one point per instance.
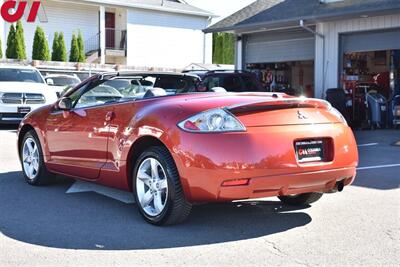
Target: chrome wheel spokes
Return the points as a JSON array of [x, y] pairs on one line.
[[152, 187], [30, 158]]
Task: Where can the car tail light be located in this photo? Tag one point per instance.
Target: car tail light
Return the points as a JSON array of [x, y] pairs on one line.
[[212, 121], [237, 182]]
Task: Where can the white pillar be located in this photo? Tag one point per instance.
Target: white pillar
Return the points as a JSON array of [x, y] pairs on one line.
[[319, 64], [208, 46], [239, 53], [102, 35]]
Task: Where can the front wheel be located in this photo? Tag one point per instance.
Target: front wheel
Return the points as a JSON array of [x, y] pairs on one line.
[[301, 199], [33, 166], [157, 188]]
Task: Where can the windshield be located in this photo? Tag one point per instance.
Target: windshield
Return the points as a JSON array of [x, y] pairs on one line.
[[64, 81], [119, 89], [20, 75], [137, 86]]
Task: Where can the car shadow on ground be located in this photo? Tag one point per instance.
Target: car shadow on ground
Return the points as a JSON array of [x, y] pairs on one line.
[[9, 127], [47, 216]]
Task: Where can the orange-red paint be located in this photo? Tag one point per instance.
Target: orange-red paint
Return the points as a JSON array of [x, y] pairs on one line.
[[89, 145]]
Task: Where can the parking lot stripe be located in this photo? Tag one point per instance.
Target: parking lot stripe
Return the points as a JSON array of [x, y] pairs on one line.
[[370, 144], [378, 167]]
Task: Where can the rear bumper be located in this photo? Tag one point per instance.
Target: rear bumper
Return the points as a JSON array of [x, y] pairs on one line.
[[266, 156], [318, 181]]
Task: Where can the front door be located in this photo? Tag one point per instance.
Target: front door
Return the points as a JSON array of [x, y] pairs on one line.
[[110, 30], [77, 139]]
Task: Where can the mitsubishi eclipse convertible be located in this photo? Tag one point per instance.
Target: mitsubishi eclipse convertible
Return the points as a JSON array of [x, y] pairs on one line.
[[173, 147]]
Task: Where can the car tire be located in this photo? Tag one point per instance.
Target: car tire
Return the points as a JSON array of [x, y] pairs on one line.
[[301, 199], [32, 161], [155, 172]]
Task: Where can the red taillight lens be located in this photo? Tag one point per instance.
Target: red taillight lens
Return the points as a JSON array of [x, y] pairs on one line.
[[236, 182], [190, 126]]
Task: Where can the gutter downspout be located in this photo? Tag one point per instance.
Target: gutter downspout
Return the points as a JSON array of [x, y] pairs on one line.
[[317, 34]]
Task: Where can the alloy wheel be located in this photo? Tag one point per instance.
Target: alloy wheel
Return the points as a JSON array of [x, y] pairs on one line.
[[152, 187], [30, 158]]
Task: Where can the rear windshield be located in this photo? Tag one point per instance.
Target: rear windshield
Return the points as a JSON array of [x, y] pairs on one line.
[[20, 75]]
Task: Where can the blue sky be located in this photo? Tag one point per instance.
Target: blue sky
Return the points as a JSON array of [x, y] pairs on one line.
[[223, 8]]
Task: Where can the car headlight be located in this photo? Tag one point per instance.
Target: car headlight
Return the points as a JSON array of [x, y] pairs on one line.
[[1, 97], [212, 121]]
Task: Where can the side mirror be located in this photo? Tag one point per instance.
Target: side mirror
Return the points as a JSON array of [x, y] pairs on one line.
[[49, 81], [64, 103]]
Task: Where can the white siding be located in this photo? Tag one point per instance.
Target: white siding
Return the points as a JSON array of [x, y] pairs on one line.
[[332, 30], [65, 17], [167, 40]]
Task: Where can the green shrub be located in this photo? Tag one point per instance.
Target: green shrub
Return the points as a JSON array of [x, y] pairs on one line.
[[10, 50], [81, 46], [74, 52], [55, 48], [223, 48], [20, 41], [40, 50]]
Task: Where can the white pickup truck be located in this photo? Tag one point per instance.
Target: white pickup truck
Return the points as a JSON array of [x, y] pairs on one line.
[[22, 90]]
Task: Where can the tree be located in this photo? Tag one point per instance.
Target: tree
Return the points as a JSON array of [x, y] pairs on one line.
[[55, 48], [81, 46], [59, 49], [20, 41], [10, 51], [223, 48], [62, 47], [74, 52], [40, 50]]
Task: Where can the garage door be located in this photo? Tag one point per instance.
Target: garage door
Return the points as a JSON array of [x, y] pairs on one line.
[[371, 41], [271, 47]]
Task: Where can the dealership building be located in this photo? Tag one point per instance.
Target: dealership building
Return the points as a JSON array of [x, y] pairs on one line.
[[313, 45]]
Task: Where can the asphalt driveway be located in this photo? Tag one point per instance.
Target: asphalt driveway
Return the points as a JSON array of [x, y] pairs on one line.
[[93, 226]]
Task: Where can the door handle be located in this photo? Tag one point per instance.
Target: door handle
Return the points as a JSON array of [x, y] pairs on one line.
[[110, 116]]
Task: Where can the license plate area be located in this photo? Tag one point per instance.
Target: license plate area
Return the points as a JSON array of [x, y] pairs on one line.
[[24, 110], [314, 150]]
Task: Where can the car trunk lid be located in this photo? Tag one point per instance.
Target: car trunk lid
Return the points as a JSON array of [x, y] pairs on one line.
[[274, 112]]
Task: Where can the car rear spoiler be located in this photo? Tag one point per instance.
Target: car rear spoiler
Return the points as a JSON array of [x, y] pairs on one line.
[[277, 104]]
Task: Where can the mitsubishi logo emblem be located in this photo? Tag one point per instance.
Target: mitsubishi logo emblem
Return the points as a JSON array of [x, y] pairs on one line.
[[301, 116]]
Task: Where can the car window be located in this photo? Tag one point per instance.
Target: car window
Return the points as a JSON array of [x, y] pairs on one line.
[[249, 84], [20, 75], [212, 81], [64, 81], [232, 83], [124, 89], [98, 95]]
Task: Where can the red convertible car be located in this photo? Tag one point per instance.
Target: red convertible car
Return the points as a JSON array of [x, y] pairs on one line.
[[174, 147]]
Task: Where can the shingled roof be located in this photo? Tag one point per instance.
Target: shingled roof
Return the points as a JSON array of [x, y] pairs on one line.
[[274, 13]]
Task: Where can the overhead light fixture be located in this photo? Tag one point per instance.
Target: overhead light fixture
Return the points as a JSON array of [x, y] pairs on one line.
[[364, 16]]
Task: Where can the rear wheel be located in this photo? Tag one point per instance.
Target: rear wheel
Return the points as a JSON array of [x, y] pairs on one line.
[[301, 199], [33, 167], [157, 188]]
